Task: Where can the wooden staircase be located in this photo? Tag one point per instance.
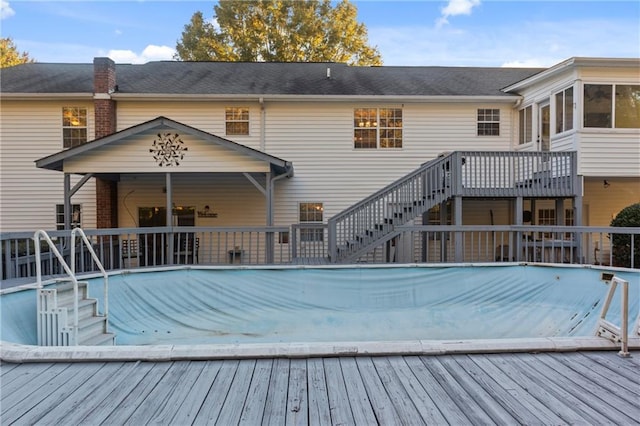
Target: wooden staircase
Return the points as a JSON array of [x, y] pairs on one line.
[[56, 317], [372, 222]]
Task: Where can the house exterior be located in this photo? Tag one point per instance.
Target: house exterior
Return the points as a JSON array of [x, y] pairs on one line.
[[252, 144]]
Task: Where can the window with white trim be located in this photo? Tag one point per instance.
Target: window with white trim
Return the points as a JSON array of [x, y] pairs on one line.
[[612, 106], [236, 121], [377, 128], [488, 122], [76, 216], [526, 125], [74, 126], [311, 213], [564, 110]]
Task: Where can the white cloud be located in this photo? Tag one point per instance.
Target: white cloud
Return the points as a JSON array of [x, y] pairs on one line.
[[5, 10], [150, 53], [454, 8]]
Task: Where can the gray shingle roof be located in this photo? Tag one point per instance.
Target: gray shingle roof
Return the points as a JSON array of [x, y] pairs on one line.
[[272, 78]]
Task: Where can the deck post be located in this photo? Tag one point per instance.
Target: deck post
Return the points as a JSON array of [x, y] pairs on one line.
[[457, 220], [169, 207], [269, 243], [67, 201]]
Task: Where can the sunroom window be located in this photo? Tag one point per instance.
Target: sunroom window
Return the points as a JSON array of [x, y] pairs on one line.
[[526, 125], [612, 106], [564, 110]]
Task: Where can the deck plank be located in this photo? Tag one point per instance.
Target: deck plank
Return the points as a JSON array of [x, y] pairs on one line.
[[618, 366], [177, 395], [217, 394], [53, 393], [236, 399], [596, 384], [359, 402], [276, 404], [77, 405], [464, 400], [571, 413], [197, 393], [587, 392], [319, 413], [9, 373], [125, 404], [27, 383], [337, 393], [297, 401], [381, 403], [402, 402], [446, 405], [253, 410]]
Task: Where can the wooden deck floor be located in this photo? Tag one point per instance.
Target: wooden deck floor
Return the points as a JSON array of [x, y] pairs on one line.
[[547, 388]]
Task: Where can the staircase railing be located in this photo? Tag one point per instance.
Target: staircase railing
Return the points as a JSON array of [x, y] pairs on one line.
[[609, 330], [362, 224], [462, 173], [43, 333], [74, 233]]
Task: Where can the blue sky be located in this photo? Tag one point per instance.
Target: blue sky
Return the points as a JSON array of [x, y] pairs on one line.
[[426, 32]]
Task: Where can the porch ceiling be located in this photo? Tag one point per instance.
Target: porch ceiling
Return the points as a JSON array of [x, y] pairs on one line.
[[163, 145]]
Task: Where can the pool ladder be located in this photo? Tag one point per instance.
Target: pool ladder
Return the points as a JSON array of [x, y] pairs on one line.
[[86, 325], [609, 330]]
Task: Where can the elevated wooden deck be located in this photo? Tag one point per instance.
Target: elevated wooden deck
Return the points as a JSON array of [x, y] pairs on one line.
[[549, 388]]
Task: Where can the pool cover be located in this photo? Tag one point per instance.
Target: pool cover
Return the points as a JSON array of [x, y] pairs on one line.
[[350, 304]]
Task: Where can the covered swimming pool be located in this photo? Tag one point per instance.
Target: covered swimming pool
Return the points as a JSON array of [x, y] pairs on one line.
[[303, 305]]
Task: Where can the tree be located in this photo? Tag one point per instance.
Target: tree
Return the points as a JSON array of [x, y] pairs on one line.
[[9, 55], [278, 31], [625, 246]]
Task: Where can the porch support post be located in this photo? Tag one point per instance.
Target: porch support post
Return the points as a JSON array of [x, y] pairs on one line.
[[577, 217], [519, 221], [169, 208], [457, 220], [270, 243], [67, 201]]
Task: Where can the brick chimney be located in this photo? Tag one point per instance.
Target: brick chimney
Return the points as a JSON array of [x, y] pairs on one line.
[[104, 84]]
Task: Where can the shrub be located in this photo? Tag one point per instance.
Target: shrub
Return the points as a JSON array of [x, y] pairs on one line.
[[628, 217]]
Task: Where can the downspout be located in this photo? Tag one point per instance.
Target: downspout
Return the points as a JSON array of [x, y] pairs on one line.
[[263, 125], [270, 243]]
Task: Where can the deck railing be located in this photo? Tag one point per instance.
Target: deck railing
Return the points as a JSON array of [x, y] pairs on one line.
[[148, 247], [463, 173]]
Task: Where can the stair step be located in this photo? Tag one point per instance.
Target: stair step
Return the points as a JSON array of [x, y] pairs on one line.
[[103, 339], [65, 292], [91, 327], [86, 308]]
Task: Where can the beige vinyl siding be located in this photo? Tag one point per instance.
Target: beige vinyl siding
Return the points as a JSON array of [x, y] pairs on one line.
[[133, 155], [610, 154], [318, 139], [29, 131], [236, 200], [206, 116]]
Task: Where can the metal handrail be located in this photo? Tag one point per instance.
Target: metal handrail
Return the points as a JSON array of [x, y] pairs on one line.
[[86, 241], [36, 237], [607, 329]]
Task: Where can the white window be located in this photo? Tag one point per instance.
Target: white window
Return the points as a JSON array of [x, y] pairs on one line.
[[76, 216], [377, 128], [607, 106], [311, 213], [564, 110], [526, 125], [236, 121], [74, 126], [488, 122]]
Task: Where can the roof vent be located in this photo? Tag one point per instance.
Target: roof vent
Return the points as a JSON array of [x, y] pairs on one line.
[[328, 72]]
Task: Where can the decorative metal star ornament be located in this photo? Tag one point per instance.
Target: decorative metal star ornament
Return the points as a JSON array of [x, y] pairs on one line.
[[168, 149]]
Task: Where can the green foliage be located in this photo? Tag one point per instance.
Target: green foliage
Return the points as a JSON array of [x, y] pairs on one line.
[[278, 31], [628, 217], [9, 55]]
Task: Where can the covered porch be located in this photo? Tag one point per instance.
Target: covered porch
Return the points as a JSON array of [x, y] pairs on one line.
[[163, 174]]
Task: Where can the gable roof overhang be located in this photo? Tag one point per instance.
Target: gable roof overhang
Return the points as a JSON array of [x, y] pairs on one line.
[[57, 161]]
